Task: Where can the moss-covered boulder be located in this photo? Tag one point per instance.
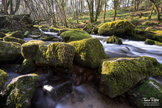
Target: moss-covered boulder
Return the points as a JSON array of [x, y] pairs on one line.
[[4, 30], [16, 34], [31, 48], [13, 39], [2, 35], [36, 32], [118, 75], [114, 39], [74, 35], [91, 29], [88, 52], [3, 79], [20, 91], [58, 30], [149, 41], [44, 28], [116, 28], [148, 94], [56, 54], [9, 51], [57, 39], [35, 36], [26, 67], [46, 37]]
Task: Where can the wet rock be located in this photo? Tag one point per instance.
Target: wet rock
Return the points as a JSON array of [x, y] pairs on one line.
[[80, 74], [74, 35], [118, 75], [149, 41], [56, 54], [27, 67], [31, 48], [46, 37], [13, 39], [16, 34], [3, 78], [89, 52], [2, 35], [148, 94], [10, 52], [20, 91], [116, 28], [59, 91], [91, 29], [113, 39], [10, 67]]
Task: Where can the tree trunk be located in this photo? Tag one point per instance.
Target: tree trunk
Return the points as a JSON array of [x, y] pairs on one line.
[[115, 9], [155, 4], [105, 10], [4, 2]]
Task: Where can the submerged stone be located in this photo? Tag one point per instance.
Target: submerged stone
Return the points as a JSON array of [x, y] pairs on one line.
[[59, 91], [88, 52], [74, 35], [118, 75]]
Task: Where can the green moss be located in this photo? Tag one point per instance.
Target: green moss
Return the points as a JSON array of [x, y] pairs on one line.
[[4, 30], [89, 52], [30, 49], [46, 37], [118, 75], [27, 66], [149, 41], [149, 23], [58, 30], [147, 90], [9, 50], [20, 91], [74, 35], [3, 79], [91, 29], [44, 28], [56, 54], [16, 34], [36, 32], [116, 28], [13, 39], [2, 35], [114, 39], [35, 36]]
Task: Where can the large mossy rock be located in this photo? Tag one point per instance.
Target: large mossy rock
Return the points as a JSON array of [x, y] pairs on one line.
[[114, 39], [31, 48], [27, 67], [46, 37], [74, 35], [58, 30], [13, 39], [20, 91], [3, 79], [118, 75], [150, 90], [56, 54], [116, 28], [9, 51], [91, 29], [16, 34], [89, 52]]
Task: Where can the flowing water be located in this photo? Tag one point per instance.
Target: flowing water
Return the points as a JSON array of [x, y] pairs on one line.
[[87, 96]]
